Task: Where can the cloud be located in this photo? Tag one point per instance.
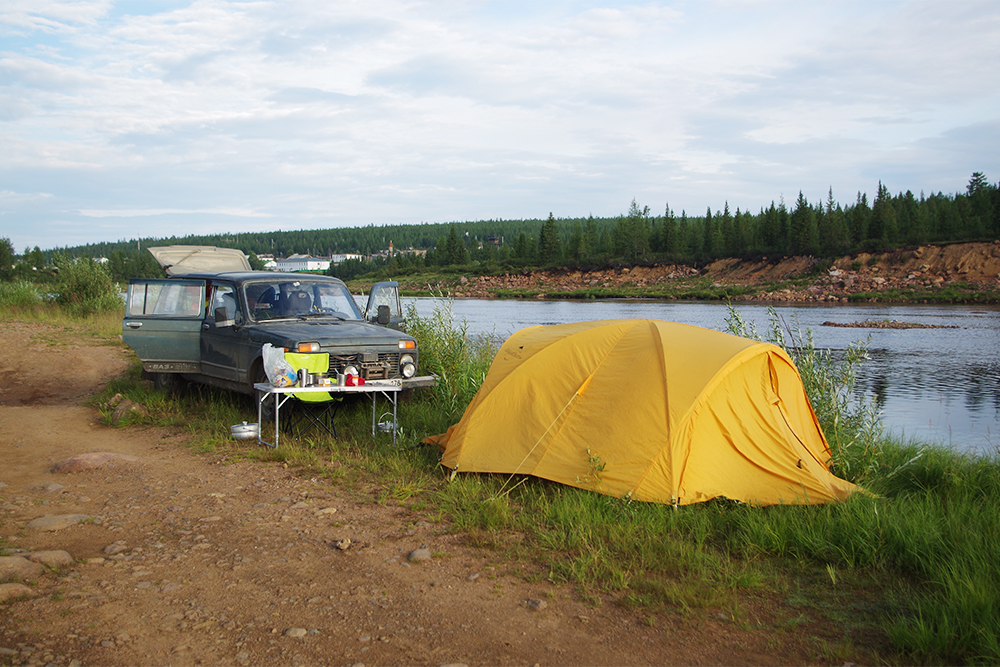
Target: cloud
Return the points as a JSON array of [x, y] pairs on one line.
[[47, 16], [8, 197], [156, 116], [138, 213]]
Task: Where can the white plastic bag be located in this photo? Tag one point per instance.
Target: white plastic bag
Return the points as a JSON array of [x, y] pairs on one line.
[[279, 372]]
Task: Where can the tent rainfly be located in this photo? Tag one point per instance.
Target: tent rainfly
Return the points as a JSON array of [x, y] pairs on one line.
[[649, 410]]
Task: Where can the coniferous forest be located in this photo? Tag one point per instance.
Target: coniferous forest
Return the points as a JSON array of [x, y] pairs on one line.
[[825, 229]]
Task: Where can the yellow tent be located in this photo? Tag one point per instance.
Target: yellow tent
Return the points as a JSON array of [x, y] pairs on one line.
[[646, 409]]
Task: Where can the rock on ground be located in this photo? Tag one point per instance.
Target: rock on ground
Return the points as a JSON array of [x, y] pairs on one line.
[[54, 558], [13, 591], [88, 461], [18, 567], [51, 522]]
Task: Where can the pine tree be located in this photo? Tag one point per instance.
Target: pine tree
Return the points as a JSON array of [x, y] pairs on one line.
[[741, 232], [632, 233], [684, 249], [859, 221], [455, 253], [669, 237], [883, 226], [521, 249], [981, 199], [709, 244], [549, 248], [727, 229], [591, 239], [6, 258], [803, 228], [832, 228]]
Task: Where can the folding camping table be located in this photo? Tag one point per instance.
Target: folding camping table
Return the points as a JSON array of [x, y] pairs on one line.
[[389, 389]]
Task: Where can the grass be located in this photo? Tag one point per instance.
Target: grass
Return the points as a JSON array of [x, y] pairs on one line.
[[959, 292], [908, 573], [21, 300]]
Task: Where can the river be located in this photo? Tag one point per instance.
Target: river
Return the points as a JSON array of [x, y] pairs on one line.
[[939, 386]]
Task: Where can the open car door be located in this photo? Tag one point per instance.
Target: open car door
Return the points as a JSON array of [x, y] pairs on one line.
[[163, 321], [383, 306]]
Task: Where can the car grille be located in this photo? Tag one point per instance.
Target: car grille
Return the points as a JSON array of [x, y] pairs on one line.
[[371, 366]]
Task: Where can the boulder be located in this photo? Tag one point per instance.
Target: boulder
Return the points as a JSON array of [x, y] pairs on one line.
[[51, 522], [88, 461], [12, 591], [18, 568], [51, 558], [126, 408], [421, 555]]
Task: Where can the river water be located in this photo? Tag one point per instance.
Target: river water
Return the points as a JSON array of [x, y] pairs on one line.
[[939, 386]]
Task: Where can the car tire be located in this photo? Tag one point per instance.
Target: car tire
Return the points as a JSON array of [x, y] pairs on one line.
[[171, 383]]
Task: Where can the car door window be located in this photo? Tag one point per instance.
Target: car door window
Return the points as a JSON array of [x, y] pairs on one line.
[[224, 296], [385, 297], [166, 299]]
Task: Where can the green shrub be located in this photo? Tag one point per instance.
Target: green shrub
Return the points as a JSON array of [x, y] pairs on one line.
[[459, 361], [85, 287]]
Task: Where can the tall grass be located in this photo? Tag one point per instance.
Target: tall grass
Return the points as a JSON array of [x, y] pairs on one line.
[[27, 301], [19, 295], [83, 291], [459, 361], [932, 520]]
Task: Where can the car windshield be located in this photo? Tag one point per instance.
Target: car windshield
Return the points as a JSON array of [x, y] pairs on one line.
[[272, 299]]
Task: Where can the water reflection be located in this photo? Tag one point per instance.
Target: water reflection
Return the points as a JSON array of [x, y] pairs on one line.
[[937, 385]]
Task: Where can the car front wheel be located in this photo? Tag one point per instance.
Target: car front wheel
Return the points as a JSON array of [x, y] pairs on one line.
[[171, 383]]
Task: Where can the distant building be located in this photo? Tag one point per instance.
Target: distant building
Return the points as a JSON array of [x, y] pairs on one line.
[[269, 263], [337, 259], [302, 263]]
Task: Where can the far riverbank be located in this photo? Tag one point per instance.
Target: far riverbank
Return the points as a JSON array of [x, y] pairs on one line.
[[955, 273]]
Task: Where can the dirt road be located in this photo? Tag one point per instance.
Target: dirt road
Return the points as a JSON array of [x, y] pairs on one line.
[[187, 559]]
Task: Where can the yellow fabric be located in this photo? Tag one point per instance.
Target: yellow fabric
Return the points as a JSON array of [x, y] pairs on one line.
[[315, 362], [676, 413]]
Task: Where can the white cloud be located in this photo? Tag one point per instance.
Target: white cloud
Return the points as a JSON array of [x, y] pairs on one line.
[[138, 213], [383, 112], [48, 16]]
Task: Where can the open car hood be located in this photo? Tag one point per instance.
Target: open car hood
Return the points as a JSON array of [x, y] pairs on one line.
[[180, 259]]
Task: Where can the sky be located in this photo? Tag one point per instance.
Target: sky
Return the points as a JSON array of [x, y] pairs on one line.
[[132, 119]]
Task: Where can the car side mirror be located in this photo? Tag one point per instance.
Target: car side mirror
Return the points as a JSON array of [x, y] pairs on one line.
[[221, 315], [383, 315]]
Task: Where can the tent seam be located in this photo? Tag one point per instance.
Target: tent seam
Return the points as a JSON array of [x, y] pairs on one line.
[[663, 369]]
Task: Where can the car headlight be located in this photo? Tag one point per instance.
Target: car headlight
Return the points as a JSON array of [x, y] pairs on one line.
[[407, 367]]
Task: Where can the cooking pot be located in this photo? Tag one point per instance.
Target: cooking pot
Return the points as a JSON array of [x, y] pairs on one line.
[[244, 431]]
